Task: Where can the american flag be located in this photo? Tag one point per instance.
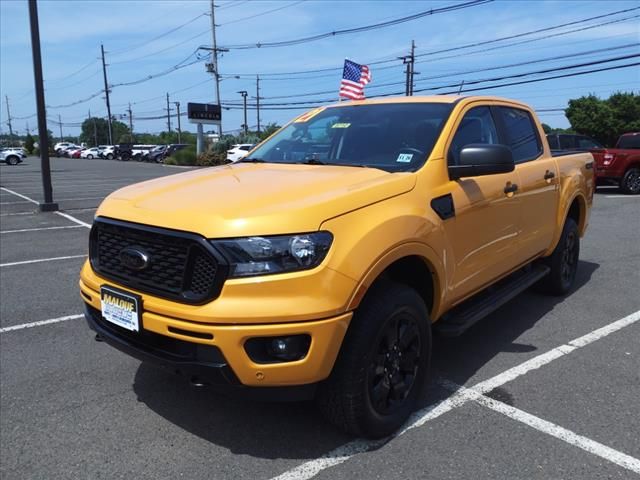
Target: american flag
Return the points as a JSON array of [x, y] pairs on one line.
[[354, 78]]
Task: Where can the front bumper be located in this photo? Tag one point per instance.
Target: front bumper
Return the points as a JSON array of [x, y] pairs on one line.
[[181, 344]]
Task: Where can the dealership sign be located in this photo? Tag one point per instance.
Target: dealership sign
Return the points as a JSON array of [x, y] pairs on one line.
[[204, 113]]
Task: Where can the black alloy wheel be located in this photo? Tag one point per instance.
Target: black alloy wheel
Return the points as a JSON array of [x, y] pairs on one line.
[[383, 363], [570, 253], [563, 262], [630, 183], [394, 364]]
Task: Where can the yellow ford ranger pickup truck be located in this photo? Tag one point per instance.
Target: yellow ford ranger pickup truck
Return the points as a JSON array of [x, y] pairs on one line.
[[319, 265]]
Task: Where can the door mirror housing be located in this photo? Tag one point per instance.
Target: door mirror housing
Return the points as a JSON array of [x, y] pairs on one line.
[[482, 159]]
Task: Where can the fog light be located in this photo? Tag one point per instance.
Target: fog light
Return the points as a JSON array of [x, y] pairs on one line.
[[278, 349]]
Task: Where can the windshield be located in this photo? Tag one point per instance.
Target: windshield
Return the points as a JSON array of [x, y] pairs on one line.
[[631, 142], [395, 137]]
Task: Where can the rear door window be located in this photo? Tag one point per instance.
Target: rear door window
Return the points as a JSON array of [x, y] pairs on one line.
[[520, 134]]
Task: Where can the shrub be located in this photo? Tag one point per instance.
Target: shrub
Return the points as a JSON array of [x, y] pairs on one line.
[[170, 161], [210, 159], [186, 156], [35, 151]]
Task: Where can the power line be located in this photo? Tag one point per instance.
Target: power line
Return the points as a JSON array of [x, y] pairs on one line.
[[577, 54], [469, 45], [312, 103], [151, 40], [531, 32], [261, 14], [365, 28]]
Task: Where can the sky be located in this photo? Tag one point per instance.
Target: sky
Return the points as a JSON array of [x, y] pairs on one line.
[[145, 38]]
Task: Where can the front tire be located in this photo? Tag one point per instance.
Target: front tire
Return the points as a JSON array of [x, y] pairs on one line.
[[90, 157], [630, 183], [110, 156], [383, 363], [563, 262], [13, 160]]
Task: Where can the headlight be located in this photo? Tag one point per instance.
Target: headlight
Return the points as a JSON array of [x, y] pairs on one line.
[[253, 256]]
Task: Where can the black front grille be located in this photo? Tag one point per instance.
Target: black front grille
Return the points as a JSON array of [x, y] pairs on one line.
[[181, 266]]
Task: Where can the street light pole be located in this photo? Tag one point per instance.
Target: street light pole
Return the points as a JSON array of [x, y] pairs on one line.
[[244, 94], [43, 140], [177, 104]]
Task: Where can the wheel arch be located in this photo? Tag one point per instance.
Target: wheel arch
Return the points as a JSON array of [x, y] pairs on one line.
[[576, 209], [414, 265]]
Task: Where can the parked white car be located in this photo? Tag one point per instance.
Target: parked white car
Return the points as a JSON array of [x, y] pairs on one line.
[[12, 156], [61, 145], [239, 151], [106, 151], [90, 153]]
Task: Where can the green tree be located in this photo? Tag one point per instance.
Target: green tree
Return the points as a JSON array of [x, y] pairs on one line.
[[268, 130], [94, 127], [605, 120], [28, 143]]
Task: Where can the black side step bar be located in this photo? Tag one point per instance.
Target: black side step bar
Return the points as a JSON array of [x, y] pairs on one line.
[[465, 315]]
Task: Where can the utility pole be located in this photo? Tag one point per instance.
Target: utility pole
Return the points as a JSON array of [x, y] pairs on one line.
[[6, 97], [409, 61], [28, 130], [244, 94], [60, 125], [177, 104], [130, 122], [168, 115], [43, 140], [214, 55], [258, 100], [106, 93], [413, 61]]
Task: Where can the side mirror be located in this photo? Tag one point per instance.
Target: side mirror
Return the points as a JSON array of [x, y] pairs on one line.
[[482, 159]]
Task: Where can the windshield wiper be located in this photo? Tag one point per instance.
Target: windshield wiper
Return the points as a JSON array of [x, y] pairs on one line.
[[313, 161], [251, 160]]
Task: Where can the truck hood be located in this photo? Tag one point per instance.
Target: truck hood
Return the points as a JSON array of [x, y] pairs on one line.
[[253, 199]]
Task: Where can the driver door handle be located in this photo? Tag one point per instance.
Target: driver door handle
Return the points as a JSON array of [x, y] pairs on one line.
[[511, 188], [549, 175]]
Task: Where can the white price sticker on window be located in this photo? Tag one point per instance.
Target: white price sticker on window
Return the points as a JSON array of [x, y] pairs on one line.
[[404, 158]]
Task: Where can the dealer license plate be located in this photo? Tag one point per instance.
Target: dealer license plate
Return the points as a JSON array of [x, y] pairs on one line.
[[120, 308]]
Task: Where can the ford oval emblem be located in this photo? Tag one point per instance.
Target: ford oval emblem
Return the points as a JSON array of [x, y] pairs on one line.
[[134, 258]]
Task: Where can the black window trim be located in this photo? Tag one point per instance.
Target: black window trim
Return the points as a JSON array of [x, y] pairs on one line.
[[502, 131]]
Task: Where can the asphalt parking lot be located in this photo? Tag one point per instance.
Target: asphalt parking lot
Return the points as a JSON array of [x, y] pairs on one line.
[[546, 388]]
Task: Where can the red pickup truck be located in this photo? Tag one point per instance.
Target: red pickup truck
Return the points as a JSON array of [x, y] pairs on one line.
[[620, 165]]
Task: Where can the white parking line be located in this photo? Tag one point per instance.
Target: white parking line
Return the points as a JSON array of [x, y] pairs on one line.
[[74, 219], [16, 213], [343, 453], [39, 323], [40, 260], [622, 196], [62, 214], [586, 444], [40, 229]]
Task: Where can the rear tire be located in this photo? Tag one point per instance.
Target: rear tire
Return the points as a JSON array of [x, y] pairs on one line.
[[383, 363], [630, 183], [110, 156], [90, 157], [563, 262]]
